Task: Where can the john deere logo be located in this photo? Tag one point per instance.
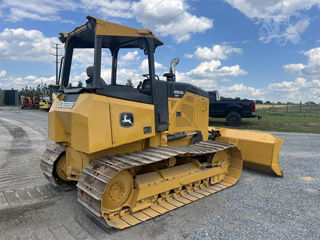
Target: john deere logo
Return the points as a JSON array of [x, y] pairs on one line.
[[126, 119]]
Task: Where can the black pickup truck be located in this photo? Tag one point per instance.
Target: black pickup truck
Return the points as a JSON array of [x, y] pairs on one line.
[[232, 110]]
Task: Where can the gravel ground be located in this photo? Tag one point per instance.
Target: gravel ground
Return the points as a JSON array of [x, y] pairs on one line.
[[259, 206]]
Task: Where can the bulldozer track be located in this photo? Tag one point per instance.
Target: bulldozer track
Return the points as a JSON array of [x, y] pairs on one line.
[[95, 177], [47, 164]]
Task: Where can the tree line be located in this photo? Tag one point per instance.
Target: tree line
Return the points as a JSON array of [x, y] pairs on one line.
[[40, 91]]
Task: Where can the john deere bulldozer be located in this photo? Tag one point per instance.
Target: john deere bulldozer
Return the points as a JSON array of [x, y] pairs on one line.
[[139, 153]]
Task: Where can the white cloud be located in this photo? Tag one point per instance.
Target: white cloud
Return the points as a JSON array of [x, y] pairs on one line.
[[20, 82], [130, 56], [41, 10], [293, 31], [83, 58], [213, 70], [295, 91], [294, 68], [144, 66], [109, 8], [275, 9], [25, 45], [188, 55], [282, 18], [240, 90], [208, 73], [32, 46], [311, 68], [170, 18], [288, 86], [3, 73], [167, 17], [216, 52]]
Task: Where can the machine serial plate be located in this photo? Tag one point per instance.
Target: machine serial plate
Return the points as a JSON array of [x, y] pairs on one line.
[[68, 105]]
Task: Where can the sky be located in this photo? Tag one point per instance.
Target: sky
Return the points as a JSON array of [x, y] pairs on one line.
[[260, 50]]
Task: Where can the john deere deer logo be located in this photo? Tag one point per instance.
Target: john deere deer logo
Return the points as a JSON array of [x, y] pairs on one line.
[[126, 119]]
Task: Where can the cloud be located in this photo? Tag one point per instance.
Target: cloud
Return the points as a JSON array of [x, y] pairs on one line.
[[311, 68], [32, 46], [20, 82], [108, 8], [208, 74], [272, 9], [280, 17], [83, 58], [289, 86], [294, 68], [40, 10], [240, 90], [188, 55], [293, 31], [216, 52], [130, 56], [144, 66], [295, 91], [167, 17], [3, 73], [170, 18], [25, 45], [213, 70]]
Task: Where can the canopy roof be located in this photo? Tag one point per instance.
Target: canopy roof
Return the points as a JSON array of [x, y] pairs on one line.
[[114, 35]]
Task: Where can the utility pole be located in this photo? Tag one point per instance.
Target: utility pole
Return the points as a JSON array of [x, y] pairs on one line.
[[57, 53], [56, 47]]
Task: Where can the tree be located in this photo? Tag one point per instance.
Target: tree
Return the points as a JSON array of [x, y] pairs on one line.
[[226, 98], [129, 83], [259, 102], [267, 102], [80, 84]]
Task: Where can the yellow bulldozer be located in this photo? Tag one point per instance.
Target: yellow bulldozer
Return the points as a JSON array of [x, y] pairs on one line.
[[138, 153], [46, 101]]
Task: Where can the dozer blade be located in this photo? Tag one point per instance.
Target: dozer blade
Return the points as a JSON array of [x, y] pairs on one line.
[[260, 150]]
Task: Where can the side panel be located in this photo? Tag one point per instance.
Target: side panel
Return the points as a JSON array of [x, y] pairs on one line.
[[189, 113], [90, 126], [93, 123], [140, 127], [85, 126]]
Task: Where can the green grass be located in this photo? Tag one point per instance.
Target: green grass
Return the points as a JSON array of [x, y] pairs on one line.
[[285, 119]]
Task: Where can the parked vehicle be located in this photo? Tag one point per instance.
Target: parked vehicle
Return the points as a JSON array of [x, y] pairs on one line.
[[232, 110]]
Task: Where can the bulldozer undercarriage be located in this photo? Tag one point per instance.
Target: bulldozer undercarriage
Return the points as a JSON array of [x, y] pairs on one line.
[[124, 190], [50, 164]]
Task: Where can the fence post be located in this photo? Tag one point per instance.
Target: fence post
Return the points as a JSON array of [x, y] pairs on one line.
[[300, 106]]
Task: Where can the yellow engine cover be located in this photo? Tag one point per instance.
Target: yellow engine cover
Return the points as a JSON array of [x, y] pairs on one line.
[[93, 123]]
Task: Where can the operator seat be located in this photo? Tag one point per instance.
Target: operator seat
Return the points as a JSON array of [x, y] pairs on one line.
[[89, 81], [146, 89]]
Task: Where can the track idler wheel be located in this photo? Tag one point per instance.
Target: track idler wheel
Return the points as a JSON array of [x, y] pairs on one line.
[[220, 159], [60, 168], [117, 193]]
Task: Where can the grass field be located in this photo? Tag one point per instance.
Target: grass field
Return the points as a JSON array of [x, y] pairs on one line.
[[282, 118]]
